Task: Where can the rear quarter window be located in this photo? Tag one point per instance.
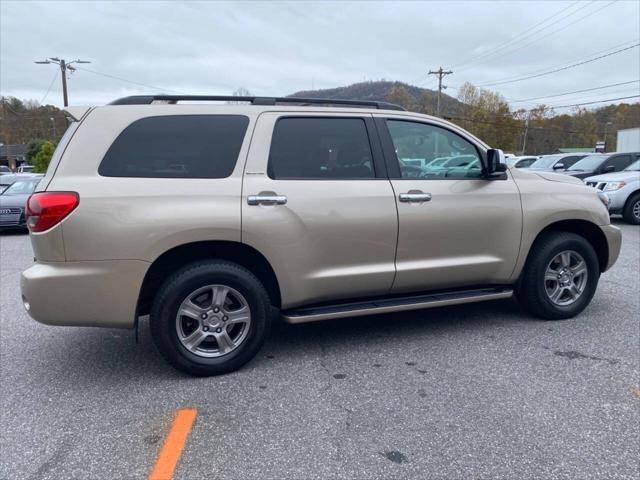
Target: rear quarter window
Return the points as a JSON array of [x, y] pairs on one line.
[[177, 146]]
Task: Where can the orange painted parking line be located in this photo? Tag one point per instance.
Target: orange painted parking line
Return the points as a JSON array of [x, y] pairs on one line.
[[173, 444]]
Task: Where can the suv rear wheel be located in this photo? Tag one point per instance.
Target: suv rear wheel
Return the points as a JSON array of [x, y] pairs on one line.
[[210, 318], [560, 277]]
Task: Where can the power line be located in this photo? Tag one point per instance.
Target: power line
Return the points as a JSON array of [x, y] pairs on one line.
[[606, 50], [576, 91], [597, 101], [559, 69], [521, 37], [55, 75], [128, 81], [548, 34], [64, 68]]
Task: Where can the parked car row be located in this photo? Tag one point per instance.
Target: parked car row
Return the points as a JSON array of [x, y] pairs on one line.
[[616, 174], [622, 189]]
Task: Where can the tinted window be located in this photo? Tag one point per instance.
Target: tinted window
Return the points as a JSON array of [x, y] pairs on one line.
[[427, 151], [180, 146], [320, 148], [619, 162], [589, 163]]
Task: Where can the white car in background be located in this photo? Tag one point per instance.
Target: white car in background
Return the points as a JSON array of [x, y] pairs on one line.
[[623, 190]]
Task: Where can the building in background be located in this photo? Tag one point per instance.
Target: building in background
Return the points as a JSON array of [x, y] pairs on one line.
[[13, 156], [628, 140]]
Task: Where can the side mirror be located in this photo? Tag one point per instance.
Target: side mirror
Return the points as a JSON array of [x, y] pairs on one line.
[[559, 166], [609, 168], [496, 164]]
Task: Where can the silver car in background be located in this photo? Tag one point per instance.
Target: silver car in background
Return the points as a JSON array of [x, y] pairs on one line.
[[13, 201], [623, 190]]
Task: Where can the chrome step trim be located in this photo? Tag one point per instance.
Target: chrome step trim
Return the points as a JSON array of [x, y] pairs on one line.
[[374, 310]]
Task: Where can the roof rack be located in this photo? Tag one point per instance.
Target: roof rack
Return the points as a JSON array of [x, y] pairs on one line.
[[149, 99]]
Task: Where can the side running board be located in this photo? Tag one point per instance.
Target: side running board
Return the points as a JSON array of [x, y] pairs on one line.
[[394, 304]]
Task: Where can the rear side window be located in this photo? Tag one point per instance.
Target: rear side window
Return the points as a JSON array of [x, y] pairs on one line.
[[322, 148], [177, 146]]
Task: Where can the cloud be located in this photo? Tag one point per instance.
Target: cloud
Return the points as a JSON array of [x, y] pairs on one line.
[[275, 48]]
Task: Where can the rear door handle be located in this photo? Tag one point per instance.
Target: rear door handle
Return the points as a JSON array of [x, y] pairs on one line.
[[266, 199], [414, 196]]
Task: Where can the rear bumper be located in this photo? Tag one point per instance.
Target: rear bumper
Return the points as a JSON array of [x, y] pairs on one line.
[[614, 242], [95, 294]]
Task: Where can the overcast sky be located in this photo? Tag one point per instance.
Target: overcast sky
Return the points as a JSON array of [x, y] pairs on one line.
[[278, 48]]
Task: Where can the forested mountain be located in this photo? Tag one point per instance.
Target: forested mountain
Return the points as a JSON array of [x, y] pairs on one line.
[[411, 97], [489, 116], [483, 112]]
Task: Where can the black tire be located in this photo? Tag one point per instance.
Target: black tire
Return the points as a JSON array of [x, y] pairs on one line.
[[531, 291], [187, 280], [627, 212]]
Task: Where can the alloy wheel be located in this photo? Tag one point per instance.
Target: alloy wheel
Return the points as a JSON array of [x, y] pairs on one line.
[[566, 277], [213, 321]]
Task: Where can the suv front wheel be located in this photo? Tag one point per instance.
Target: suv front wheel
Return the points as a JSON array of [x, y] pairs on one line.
[[560, 277], [210, 318]]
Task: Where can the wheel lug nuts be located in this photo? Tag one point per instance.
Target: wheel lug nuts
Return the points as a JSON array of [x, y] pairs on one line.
[[203, 316], [218, 330], [206, 329], [225, 318], [216, 310]]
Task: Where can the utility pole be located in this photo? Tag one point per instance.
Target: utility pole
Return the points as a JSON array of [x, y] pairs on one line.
[[440, 73], [526, 133], [606, 125], [64, 67]]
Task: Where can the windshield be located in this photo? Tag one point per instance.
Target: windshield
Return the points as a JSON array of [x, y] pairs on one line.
[[634, 167], [588, 163], [22, 187], [546, 161]]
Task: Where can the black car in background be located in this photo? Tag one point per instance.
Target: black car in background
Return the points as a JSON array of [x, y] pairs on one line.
[[557, 161], [599, 163]]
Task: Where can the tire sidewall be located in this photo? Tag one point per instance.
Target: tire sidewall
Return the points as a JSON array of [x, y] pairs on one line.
[[628, 210], [174, 292], [546, 254]]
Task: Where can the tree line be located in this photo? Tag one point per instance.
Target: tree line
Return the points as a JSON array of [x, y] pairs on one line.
[[489, 116], [483, 112]]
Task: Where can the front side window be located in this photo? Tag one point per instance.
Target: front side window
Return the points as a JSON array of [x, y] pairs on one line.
[[430, 152], [177, 146], [320, 148]]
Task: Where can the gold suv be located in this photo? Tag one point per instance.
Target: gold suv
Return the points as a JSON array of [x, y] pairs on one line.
[[210, 218]]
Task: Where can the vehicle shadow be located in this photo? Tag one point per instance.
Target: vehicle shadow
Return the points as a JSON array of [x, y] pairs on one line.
[[108, 357], [13, 232]]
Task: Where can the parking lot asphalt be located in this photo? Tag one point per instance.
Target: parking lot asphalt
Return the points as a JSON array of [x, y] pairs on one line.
[[474, 391]]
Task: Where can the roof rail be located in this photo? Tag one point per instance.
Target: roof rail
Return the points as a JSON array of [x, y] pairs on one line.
[[148, 99]]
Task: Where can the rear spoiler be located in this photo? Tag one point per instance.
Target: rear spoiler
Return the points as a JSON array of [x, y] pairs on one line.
[[75, 114]]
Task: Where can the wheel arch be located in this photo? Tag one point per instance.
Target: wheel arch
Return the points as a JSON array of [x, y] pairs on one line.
[[588, 230], [629, 197], [181, 255]]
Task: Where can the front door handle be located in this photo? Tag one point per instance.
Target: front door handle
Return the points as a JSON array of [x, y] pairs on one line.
[[264, 199], [414, 196]]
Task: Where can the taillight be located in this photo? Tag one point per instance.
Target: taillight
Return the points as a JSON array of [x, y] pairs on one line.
[[46, 209]]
